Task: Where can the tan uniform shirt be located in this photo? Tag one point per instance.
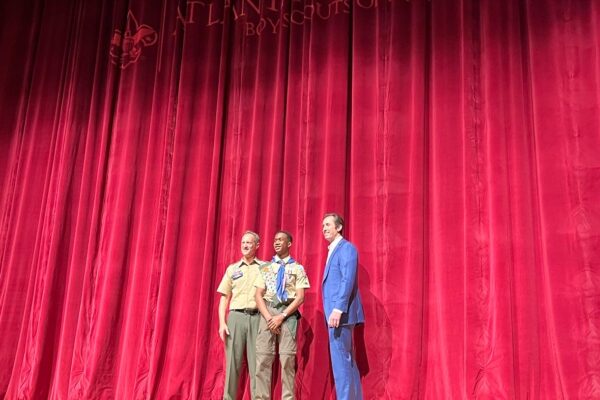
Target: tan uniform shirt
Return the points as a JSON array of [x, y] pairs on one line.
[[295, 278], [238, 282]]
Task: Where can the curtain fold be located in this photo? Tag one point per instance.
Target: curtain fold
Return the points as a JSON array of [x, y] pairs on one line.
[[459, 139]]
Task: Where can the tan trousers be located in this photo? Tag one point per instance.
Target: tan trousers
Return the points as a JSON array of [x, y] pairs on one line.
[[265, 354], [242, 336]]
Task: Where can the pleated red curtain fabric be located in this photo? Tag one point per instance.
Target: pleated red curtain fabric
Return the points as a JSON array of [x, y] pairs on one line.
[[459, 139]]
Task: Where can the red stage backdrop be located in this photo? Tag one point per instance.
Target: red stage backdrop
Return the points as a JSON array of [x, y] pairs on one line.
[[460, 139]]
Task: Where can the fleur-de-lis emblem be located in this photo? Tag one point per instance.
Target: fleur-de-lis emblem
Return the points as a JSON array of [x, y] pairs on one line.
[[126, 47]]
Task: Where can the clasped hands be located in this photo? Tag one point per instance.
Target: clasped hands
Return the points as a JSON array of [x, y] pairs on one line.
[[274, 323]]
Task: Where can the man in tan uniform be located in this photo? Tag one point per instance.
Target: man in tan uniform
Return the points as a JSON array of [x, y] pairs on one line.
[[279, 292], [240, 329]]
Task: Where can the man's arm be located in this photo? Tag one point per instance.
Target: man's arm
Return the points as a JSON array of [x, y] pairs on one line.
[[260, 303], [262, 307], [223, 303], [277, 320], [348, 270]]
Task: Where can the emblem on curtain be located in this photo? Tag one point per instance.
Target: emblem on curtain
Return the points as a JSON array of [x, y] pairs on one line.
[[126, 47]]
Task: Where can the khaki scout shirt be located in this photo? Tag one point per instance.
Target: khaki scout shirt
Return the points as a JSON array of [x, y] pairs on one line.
[[295, 278], [238, 282]]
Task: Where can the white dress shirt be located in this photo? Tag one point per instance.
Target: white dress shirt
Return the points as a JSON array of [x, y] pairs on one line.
[[333, 244]]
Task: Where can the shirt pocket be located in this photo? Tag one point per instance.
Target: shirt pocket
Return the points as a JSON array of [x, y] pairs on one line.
[[290, 280]]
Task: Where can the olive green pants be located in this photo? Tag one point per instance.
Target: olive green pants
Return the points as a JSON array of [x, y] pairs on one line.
[[242, 336], [265, 354]]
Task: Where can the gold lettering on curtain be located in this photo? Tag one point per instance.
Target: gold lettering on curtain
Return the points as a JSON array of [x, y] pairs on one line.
[[459, 140]]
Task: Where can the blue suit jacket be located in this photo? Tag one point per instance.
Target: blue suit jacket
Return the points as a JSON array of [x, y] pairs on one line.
[[340, 284]]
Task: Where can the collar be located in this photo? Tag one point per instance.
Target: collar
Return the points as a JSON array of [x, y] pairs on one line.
[[335, 242], [285, 260], [255, 261]]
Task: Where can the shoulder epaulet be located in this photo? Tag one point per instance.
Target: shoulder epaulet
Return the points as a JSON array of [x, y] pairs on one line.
[[265, 267]]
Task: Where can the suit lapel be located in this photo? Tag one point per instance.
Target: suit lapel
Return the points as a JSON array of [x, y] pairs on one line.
[[340, 244]]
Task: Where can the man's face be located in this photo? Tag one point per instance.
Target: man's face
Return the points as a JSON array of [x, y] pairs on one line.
[[329, 229], [281, 244], [249, 245]]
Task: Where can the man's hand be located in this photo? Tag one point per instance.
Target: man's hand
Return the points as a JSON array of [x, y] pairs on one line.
[[276, 331], [334, 319], [223, 331], [275, 323]]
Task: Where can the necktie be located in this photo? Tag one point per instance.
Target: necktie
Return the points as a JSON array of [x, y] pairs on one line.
[[280, 288]]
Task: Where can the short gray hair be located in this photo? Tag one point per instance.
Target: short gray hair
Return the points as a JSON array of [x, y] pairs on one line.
[[254, 234]]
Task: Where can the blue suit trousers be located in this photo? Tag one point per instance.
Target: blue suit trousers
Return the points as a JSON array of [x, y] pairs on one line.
[[345, 371]]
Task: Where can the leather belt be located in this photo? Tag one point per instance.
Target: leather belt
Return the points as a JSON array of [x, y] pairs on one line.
[[249, 311]]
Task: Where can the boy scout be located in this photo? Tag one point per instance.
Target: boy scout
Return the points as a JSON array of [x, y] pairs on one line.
[[279, 292]]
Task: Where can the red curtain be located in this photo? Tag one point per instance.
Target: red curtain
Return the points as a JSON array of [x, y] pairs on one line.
[[460, 140]]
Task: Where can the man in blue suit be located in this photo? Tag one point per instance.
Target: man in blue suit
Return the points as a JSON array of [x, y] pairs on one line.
[[343, 309]]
